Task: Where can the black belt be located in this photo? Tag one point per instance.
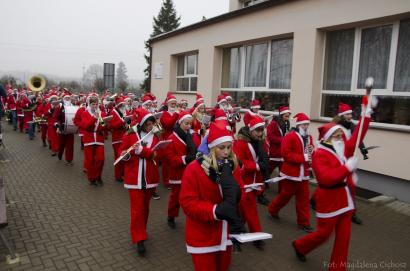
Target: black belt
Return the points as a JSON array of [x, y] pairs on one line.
[[335, 186]]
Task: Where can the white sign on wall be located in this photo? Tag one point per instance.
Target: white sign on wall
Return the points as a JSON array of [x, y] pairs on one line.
[[159, 70]]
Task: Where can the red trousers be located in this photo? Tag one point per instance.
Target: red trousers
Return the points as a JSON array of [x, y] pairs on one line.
[[249, 211], [53, 138], [94, 161], [118, 168], [139, 207], [66, 146], [214, 261], [341, 225], [44, 128], [173, 202], [300, 190], [21, 123]]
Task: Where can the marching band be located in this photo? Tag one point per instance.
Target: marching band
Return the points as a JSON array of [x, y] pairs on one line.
[[215, 173]]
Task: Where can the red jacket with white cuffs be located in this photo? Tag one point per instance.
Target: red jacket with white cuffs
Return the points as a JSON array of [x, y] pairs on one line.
[[77, 120], [333, 196], [168, 121], [92, 128], [140, 171], [117, 126], [274, 136], [199, 195], [175, 157], [294, 167]]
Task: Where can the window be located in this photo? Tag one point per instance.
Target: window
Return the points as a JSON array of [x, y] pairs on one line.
[[187, 72], [352, 55], [259, 71], [248, 3]]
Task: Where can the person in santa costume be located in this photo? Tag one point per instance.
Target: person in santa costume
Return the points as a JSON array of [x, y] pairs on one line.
[[52, 136], [65, 141], [11, 102], [141, 175], [210, 194], [183, 105], [77, 120], [251, 151], [334, 165], [93, 127], [117, 126], [297, 148], [344, 118], [198, 111], [168, 119], [255, 106], [180, 152], [40, 113], [275, 132]]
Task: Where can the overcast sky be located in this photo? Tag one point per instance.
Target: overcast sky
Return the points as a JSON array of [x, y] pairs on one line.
[[61, 36]]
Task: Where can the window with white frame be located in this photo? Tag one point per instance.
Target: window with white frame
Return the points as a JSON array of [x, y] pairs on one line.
[[187, 72], [259, 71], [381, 51]]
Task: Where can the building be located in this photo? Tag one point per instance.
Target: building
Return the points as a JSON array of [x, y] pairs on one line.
[[310, 53]]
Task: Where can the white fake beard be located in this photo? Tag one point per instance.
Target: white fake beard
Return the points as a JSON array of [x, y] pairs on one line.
[[339, 147], [303, 132], [67, 103], [152, 109], [171, 110], [127, 107]]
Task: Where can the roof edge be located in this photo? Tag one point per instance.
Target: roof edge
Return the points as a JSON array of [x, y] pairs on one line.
[[219, 18]]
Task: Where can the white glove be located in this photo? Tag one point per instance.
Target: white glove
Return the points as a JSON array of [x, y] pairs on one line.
[[374, 102], [351, 163], [307, 157]]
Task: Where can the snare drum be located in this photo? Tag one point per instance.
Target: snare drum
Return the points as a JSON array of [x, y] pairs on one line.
[[69, 127]]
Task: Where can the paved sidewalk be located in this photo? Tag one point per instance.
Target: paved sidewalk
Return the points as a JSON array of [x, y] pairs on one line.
[[58, 222]]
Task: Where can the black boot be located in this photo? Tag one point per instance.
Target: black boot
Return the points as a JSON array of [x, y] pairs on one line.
[[263, 200], [299, 255], [260, 244], [44, 143], [356, 219], [141, 248], [100, 181], [307, 229], [171, 222]]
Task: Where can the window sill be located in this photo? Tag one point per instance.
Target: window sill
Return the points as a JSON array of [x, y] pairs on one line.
[[185, 92], [374, 125]]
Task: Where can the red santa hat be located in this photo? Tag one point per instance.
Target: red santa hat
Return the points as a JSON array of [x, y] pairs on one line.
[[301, 118], [170, 98], [327, 130], [146, 99], [221, 98], [220, 115], [141, 116], [153, 98], [66, 95], [218, 134], [184, 101], [284, 110], [227, 96], [183, 116], [255, 104], [119, 101], [199, 98], [256, 122], [344, 109]]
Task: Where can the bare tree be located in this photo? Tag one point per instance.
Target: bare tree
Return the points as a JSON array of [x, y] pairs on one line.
[[122, 77], [93, 75]]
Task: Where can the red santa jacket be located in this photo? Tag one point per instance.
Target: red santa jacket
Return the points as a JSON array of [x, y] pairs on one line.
[[77, 120], [175, 157], [168, 121], [117, 126], [93, 130], [274, 136], [51, 120], [198, 198], [140, 169], [248, 116], [294, 166], [251, 173], [11, 102]]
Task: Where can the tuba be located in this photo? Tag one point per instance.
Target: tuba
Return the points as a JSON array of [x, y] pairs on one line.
[[37, 83]]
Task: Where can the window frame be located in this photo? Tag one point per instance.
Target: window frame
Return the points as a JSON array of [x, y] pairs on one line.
[[388, 91], [186, 75], [242, 87]]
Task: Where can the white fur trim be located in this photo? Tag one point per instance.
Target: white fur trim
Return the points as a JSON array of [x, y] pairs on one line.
[[147, 101], [284, 112], [221, 118], [222, 101], [345, 112], [257, 125], [256, 106], [184, 117], [172, 100], [350, 206], [175, 181], [145, 118], [220, 140], [302, 122]]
